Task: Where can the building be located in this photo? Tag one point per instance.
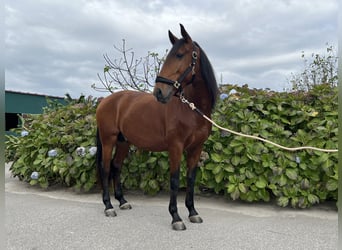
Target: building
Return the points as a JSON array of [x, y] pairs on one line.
[[19, 103]]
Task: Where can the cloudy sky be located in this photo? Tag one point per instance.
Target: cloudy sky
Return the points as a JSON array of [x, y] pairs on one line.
[[55, 46]]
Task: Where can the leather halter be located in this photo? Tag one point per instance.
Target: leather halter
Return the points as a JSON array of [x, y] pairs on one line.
[[177, 83]]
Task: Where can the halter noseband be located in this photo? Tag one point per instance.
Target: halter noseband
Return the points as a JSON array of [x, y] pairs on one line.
[[177, 83]]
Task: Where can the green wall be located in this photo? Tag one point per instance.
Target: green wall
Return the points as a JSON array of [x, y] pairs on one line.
[[27, 103]]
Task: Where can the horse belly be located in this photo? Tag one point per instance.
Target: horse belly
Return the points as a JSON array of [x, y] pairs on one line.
[[145, 139], [144, 130]]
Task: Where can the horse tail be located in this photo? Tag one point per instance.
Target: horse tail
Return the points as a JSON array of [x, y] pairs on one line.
[[98, 159]]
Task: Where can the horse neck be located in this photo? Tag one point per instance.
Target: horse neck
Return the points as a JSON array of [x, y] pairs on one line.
[[198, 94]]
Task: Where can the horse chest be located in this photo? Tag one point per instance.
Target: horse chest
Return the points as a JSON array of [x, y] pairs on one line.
[[198, 134]]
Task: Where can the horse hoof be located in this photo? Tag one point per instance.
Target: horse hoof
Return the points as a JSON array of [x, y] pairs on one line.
[[125, 206], [110, 212], [178, 226], [195, 219]]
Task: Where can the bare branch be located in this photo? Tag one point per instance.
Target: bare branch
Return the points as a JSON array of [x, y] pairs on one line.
[[128, 72]]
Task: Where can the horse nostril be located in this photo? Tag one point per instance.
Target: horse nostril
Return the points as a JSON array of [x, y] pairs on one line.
[[158, 94]]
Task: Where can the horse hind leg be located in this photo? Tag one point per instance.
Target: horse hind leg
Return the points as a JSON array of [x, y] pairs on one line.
[[121, 152], [105, 146], [189, 200], [106, 177]]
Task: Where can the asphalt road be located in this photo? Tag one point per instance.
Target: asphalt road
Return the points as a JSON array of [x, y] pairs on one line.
[[61, 219]]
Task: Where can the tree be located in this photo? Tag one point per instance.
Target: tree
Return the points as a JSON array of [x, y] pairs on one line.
[[322, 69], [128, 72]]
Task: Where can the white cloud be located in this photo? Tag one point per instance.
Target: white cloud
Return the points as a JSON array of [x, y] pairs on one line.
[[55, 47]]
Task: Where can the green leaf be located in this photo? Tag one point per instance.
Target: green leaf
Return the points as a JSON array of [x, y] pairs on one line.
[[235, 194], [153, 184], [218, 146], [143, 184], [305, 184], [313, 199], [331, 185], [235, 143], [151, 160], [294, 202], [163, 164], [291, 173], [231, 188], [84, 177], [37, 162], [217, 169], [243, 188], [283, 201], [282, 180], [232, 179], [249, 174], [323, 158], [44, 183], [219, 177], [33, 182], [235, 160], [261, 182], [216, 157], [67, 179], [106, 68], [228, 168]]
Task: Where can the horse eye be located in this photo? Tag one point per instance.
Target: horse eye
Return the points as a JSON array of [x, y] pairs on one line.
[[179, 55]]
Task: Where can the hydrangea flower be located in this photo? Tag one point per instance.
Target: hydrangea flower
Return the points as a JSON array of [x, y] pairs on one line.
[[52, 153], [92, 150], [232, 92], [297, 159], [223, 96], [24, 133], [34, 175], [80, 151]]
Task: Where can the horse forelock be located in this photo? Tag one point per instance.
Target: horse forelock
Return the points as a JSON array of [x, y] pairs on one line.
[[176, 46]]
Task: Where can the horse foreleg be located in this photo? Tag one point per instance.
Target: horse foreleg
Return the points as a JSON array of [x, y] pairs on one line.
[[192, 161], [120, 155], [177, 223], [175, 158]]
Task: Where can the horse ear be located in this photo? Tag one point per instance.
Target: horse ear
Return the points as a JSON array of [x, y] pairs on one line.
[[185, 34], [172, 37]]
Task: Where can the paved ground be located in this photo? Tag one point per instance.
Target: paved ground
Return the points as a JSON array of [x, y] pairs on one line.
[[61, 219]]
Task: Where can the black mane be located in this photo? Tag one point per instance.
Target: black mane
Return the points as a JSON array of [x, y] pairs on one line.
[[208, 75]]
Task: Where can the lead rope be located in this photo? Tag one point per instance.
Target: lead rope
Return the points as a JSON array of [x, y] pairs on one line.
[[193, 107]]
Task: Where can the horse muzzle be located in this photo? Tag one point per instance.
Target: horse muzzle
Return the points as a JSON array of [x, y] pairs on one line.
[[163, 95]]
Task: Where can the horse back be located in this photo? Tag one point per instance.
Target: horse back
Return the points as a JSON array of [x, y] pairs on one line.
[[149, 124]]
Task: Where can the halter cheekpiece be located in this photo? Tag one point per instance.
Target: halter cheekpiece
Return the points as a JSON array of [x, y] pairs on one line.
[[177, 83]]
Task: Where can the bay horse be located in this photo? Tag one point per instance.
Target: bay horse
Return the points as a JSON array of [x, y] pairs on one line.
[[160, 122]]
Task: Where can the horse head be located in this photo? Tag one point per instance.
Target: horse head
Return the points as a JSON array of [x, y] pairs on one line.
[[179, 67]]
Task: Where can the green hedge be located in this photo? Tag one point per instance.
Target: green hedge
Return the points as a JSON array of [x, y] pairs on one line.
[[237, 167], [62, 129], [251, 170]]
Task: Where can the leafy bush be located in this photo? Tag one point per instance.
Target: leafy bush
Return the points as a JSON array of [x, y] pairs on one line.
[[48, 145], [251, 170], [317, 70], [238, 167]]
